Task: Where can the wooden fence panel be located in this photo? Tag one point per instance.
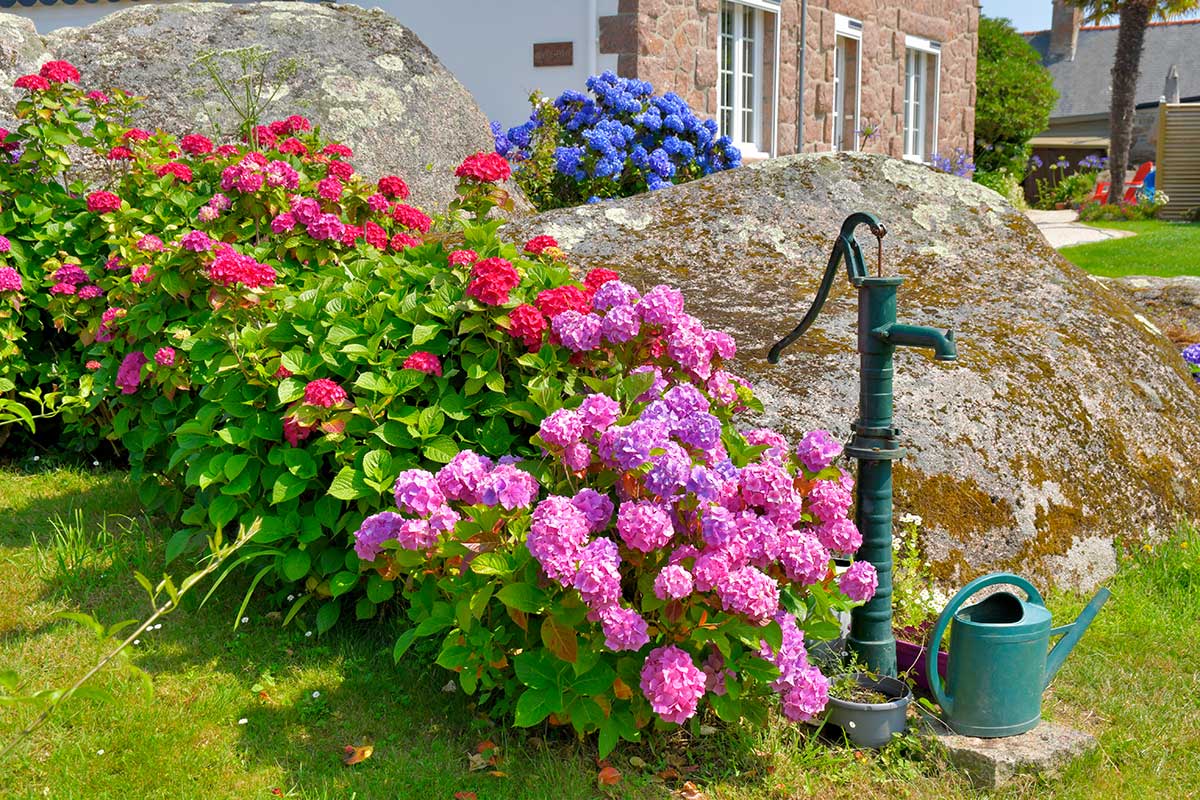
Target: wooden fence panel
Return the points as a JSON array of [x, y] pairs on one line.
[[1178, 158]]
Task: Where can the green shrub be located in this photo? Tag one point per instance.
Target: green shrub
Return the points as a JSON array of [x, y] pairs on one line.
[[1145, 208], [1004, 183], [1015, 95]]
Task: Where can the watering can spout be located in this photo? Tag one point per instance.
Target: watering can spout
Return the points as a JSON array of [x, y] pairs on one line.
[[1073, 633]]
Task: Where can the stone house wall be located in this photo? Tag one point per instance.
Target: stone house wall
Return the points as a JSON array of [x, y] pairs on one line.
[[673, 44]]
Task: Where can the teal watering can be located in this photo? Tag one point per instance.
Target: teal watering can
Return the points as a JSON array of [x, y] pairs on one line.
[[1000, 657]]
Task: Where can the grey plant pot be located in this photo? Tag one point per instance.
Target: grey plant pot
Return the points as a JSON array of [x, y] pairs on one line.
[[871, 724]]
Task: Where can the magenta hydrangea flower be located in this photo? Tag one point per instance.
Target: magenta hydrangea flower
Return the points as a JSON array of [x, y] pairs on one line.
[[690, 349], [579, 332], [750, 592], [596, 507], [662, 306], [599, 577], [129, 374], [281, 173], [562, 428], [150, 244], [461, 478], [829, 500], [804, 695], [374, 531], [672, 683], [765, 483], [196, 241], [710, 569], [577, 457], [5, 244], [859, 582], [416, 534], [417, 492], [10, 280], [644, 526], [673, 582], [624, 629], [840, 536], [817, 450], [508, 487], [597, 412], [207, 214], [558, 533], [326, 226], [324, 393], [305, 209], [805, 560], [165, 356]]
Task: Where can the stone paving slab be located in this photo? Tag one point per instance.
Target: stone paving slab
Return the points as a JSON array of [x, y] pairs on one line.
[[991, 763], [1063, 228]]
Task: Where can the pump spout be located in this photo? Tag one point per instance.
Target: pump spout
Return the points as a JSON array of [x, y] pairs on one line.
[[943, 345]]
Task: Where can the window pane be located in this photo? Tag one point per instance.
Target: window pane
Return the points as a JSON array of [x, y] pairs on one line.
[[846, 93]]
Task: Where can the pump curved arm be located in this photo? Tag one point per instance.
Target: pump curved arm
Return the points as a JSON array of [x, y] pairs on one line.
[[939, 631], [844, 247]]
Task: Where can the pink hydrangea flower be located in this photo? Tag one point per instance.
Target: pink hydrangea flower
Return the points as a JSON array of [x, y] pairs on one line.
[[817, 450], [324, 393], [672, 683], [462, 477], [165, 356], [374, 531], [859, 582], [644, 525], [129, 374], [624, 629], [330, 188], [462, 258], [140, 275], [10, 280], [599, 577], [562, 428], [150, 244], [673, 582], [557, 536], [103, 202], [424, 362], [417, 492]]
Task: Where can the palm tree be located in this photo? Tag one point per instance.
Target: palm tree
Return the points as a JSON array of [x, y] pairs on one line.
[[1134, 16]]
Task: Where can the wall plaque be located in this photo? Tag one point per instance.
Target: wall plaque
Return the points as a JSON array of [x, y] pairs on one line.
[[553, 54]]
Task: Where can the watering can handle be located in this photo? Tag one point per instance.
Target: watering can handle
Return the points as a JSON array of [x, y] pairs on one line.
[[965, 594], [845, 246]]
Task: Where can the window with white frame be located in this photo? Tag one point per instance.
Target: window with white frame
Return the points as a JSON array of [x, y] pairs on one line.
[[921, 67], [747, 58], [847, 75]]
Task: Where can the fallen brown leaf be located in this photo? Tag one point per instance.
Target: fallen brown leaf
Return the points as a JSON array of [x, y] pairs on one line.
[[690, 791], [609, 776], [465, 796]]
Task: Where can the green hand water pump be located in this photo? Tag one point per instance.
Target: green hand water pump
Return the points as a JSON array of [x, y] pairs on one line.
[[875, 443]]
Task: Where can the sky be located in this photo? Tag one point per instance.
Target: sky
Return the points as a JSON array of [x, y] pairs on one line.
[[1026, 15]]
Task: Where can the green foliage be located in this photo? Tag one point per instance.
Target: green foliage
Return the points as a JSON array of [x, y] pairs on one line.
[[1003, 182], [1145, 208], [1071, 190], [1015, 95]]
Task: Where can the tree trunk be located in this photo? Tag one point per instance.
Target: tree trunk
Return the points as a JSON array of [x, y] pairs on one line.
[[1135, 16]]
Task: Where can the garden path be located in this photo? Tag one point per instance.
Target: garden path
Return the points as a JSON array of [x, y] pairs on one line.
[[1063, 228]]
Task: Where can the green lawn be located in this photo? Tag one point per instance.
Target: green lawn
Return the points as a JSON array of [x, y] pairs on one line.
[[1132, 681], [1160, 248]]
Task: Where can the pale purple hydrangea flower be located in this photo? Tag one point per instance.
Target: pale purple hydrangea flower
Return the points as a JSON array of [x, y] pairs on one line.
[[326, 226], [722, 388], [579, 333], [612, 294], [562, 428], [704, 483], [620, 324], [685, 399], [374, 531], [207, 214], [804, 695], [632, 444], [688, 347], [599, 578], [461, 478], [859, 582], [700, 430], [672, 683], [817, 450], [722, 343], [417, 492], [509, 487], [443, 518], [624, 629], [670, 472], [644, 526], [596, 507], [750, 592], [673, 582]]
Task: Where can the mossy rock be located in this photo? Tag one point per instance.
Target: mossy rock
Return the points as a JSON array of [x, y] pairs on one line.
[[1066, 424]]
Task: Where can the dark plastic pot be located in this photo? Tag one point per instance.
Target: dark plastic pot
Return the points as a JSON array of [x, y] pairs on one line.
[[910, 660], [871, 724]]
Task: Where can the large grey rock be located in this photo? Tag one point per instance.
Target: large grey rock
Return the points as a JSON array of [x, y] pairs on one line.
[[21, 52], [1065, 423], [364, 78], [1173, 303]]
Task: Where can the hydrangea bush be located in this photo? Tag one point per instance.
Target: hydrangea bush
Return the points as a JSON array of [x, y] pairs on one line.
[[275, 341], [620, 140]]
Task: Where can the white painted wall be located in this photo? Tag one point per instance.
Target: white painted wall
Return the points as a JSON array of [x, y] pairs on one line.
[[488, 45]]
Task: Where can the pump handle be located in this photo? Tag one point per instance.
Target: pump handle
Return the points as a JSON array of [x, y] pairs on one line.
[[844, 246], [939, 631]]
